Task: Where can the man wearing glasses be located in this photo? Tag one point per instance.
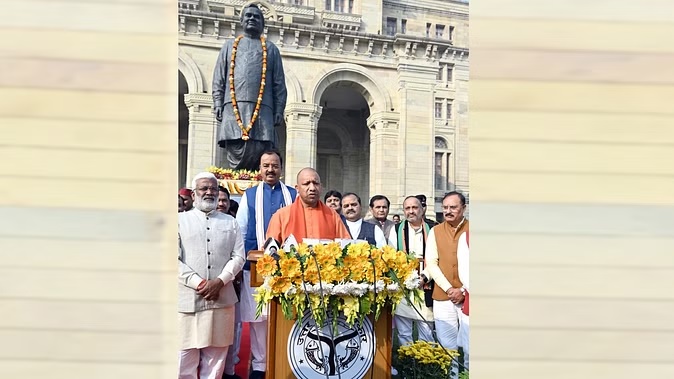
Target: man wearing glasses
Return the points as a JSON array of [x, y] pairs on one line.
[[210, 254], [447, 259]]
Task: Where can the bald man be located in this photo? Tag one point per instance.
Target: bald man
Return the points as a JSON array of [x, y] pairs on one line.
[[307, 217]]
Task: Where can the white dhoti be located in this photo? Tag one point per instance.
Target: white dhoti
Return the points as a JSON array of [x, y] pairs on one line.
[[463, 339], [204, 340], [409, 313]]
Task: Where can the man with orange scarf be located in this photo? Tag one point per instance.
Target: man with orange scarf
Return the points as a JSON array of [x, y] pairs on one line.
[[307, 217], [447, 258]]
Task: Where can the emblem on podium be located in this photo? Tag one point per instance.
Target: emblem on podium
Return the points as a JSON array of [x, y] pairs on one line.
[[347, 352]]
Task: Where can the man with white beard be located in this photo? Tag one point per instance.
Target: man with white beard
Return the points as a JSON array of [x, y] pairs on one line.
[[210, 254]]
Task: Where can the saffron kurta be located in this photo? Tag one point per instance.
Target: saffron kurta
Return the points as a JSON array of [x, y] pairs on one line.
[[320, 222]]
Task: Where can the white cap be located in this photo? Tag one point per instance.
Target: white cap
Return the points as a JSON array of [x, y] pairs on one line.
[[203, 175]]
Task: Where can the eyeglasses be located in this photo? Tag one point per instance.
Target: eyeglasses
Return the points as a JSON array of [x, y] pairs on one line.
[[206, 189]]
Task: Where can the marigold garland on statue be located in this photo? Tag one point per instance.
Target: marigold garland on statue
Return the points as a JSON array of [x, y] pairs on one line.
[[245, 130], [347, 280]]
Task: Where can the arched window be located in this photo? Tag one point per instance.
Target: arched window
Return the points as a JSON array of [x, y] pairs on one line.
[[443, 166]]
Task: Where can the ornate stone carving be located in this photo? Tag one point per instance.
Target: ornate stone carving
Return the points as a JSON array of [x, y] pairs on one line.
[[343, 21]]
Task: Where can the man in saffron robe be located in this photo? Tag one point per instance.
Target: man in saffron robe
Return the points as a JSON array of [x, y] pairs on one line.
[[307, 217], [444, 267], [258, 204]]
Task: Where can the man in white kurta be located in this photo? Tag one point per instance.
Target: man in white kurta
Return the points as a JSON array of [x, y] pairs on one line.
[[210, 254], [412, 234]]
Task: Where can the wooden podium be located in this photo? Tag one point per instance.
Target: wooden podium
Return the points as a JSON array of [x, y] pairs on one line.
[[279, 330]]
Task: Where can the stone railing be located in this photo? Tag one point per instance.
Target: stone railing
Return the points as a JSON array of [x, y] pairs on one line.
[[208, 28]]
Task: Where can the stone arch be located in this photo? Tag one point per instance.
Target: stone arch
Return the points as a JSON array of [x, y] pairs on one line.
[[375, 94], [443, 140], [191, 72], [295, 93]]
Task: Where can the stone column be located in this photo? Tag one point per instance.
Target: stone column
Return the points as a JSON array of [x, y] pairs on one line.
[[301, 132], [461, 121], [385, 149], [417, 82], [200, 148]]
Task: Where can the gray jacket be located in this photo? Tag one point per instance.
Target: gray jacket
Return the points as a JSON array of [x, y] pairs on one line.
[[209, 246]]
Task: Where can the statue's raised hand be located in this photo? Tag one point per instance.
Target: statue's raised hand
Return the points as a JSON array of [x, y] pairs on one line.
[[218, 114]]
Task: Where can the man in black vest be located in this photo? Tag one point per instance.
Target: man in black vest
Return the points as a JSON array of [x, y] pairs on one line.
[[352, 211], [379, 206]]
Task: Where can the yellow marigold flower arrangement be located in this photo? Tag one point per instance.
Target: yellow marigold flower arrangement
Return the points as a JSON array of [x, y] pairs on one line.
[[229, 174], [348, 279], [427, 360]]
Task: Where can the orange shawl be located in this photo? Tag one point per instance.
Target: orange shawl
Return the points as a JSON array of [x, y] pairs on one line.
[[325, 223]]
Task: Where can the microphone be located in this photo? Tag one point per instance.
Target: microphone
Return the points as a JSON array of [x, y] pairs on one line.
[[271, 248]]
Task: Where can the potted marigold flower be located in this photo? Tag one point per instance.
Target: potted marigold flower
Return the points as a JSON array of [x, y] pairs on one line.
[[425, 360]]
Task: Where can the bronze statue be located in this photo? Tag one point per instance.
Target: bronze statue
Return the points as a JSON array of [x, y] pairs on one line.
[[249, 93]]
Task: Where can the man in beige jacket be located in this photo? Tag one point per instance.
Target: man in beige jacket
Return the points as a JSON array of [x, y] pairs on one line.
[[210, 254]]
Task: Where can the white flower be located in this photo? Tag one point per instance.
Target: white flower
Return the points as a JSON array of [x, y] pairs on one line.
[[359, 289], [308, 287], [393, 287], [327, 288], [291, 291], [413, 281], [380, 286], [266, 285], [341, 289]]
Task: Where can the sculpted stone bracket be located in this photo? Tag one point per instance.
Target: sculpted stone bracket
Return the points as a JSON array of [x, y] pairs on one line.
[[384, 121], [344, 21], [197, 101], [302, 113]]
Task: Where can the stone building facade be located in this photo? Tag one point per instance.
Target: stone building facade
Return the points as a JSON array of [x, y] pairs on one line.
[[377, 91]]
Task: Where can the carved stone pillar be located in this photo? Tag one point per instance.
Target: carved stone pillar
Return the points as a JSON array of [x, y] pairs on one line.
[[301, 132], [200, 148], [417, 131], [385, 149]]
